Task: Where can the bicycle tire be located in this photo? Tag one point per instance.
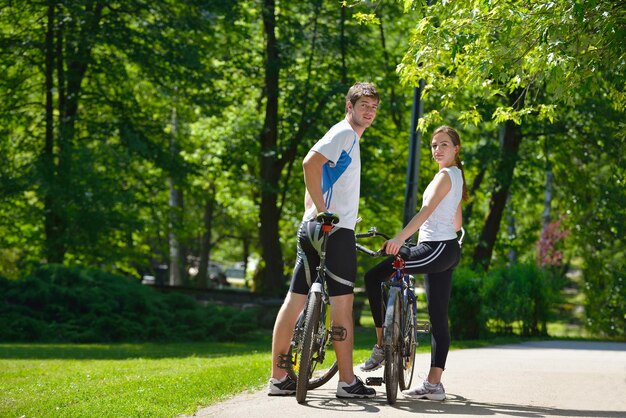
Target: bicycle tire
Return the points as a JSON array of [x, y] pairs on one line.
[[392, 346], [295, 354], [409, 344], [311, 324], [325, 377]]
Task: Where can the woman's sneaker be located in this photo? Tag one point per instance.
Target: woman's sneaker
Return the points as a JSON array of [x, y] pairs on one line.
[[356, 390], [432, 391], [376, 360], [284, 387]]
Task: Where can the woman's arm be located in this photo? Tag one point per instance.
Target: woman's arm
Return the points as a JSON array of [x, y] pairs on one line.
[[442, 184]]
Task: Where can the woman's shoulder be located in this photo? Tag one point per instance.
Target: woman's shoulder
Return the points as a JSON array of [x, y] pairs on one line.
[[452, 168]]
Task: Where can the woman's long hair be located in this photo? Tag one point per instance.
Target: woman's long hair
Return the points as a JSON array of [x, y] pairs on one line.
[[456, 140]]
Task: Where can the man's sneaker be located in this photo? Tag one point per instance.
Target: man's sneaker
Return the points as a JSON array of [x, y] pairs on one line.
[[432, 391], [356, 390], [284, 387], [376, 360]]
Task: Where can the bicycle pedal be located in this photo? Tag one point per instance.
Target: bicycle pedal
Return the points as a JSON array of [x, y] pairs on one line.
[[422, 326], [374, 381], [338, 333], [285, 362]]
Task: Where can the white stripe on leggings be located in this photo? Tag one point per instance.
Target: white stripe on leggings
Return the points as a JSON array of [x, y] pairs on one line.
[[432, 257]]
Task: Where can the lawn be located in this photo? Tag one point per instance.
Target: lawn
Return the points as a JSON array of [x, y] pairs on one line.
[[142, 380]]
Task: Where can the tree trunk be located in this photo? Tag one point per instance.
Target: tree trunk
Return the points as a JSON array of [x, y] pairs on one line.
[[72, 58], [177, 256], [511, 231], [343, 45], [547, 199], [205, 246], [54, 248], [272, 278], [503, 180]]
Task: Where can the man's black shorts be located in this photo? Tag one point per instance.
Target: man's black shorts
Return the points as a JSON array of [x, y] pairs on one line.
[[340, 259]]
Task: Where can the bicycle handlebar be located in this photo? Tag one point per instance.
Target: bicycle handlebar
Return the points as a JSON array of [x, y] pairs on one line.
[[373, 232]]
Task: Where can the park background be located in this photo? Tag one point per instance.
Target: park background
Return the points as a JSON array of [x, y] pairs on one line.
[[144, 142]]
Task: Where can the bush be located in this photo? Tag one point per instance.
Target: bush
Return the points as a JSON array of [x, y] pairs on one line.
[[75, 304], [519, 296], [466, 321]]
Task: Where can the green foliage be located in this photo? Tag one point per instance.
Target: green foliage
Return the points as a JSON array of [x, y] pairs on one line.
[[75, 304], [494, 49], [466, 304], [605, 288], [514, 299], [519, 296], [204, 62]]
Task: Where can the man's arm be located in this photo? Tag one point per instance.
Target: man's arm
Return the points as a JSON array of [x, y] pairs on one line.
[[312, 166]]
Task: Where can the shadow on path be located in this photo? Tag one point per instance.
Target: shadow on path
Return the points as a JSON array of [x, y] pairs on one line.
[[454, 405]]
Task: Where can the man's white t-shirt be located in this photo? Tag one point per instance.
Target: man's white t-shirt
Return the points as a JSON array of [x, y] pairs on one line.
[[341, 175], [440, 224]]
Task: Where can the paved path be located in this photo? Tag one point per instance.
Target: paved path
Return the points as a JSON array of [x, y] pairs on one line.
[[535, 379]]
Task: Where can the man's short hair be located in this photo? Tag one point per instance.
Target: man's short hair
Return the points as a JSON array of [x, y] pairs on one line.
[[361, 89]]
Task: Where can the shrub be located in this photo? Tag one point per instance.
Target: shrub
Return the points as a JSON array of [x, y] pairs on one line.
[[466, 321], [75, 304], [519, 296]]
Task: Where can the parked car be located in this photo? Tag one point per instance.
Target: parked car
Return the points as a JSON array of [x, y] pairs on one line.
[[217, 275]]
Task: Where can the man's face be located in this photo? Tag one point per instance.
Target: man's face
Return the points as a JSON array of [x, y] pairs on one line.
[[363, 112]]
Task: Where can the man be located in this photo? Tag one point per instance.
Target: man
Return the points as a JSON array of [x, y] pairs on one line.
[[332, 175]]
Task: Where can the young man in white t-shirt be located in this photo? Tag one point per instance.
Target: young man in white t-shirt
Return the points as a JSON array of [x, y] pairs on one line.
[[332, 175]]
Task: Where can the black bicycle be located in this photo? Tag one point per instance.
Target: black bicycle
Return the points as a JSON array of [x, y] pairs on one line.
[[313, 332], [400, 326]]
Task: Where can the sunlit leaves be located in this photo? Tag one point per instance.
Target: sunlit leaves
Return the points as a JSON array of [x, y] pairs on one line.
[[521, 46]]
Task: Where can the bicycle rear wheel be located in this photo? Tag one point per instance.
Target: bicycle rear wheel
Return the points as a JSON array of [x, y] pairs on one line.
[[309, 336], [392, 345], [408, 346]]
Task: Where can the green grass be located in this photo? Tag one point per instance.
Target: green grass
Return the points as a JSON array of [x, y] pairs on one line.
[[142, 380]]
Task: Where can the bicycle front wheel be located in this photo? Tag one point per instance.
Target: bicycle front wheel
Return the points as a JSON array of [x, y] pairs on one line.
[[392, 345], [408, 346], [309, 335], [318, 377]]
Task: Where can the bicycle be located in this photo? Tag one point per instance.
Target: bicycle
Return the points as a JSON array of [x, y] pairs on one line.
[[313, 331], [400, 325]]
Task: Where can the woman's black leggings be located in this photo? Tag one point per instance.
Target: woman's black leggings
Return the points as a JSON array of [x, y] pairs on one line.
[[436, 260]]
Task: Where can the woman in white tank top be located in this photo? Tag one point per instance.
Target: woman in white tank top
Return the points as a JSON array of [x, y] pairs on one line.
[[435, 256]]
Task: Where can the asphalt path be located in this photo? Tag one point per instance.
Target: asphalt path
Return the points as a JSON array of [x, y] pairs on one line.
[[533, 379]]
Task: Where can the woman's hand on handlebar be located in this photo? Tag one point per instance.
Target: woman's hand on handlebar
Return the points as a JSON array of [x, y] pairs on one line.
[[392, 246]]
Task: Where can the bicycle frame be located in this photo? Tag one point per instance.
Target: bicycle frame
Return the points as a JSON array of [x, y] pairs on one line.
[[400, 327], [314, 330]]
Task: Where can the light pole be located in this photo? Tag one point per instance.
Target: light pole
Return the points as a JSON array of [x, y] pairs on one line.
[[415, 142]]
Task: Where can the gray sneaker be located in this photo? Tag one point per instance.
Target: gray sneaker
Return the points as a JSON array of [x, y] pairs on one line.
[[376, 360], [427, 390]]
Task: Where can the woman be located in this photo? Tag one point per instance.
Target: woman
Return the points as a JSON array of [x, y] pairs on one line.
[[436, 255]]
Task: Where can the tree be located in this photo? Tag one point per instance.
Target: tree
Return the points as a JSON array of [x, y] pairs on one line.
[[522, 57]]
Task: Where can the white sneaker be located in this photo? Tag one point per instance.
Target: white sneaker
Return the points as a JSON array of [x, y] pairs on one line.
[[427, 390], [376, 360], [284, 387]]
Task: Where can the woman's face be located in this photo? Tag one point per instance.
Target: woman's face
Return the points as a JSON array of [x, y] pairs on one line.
[[444, 151]]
